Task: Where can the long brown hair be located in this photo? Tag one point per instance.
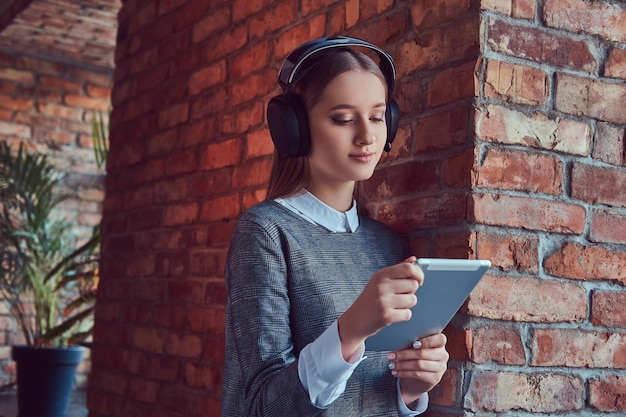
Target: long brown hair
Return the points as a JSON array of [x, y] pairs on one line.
[[291, 174]]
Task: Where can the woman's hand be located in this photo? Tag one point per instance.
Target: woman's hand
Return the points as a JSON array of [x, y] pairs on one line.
[[386, 299], [421, 368]]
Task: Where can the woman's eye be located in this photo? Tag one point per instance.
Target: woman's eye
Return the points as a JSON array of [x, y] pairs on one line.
[[377, 119], [342, 121]]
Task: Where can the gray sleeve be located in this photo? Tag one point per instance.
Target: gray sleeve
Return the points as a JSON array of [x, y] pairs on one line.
[[256, 278]]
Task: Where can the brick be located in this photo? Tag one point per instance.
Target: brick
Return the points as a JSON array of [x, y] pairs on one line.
[[312, 6], [150, 79], [214, 23], [498, 343], [20, 77], [225, 43], [14, 129], [182, 163], [219, 155], [60, 84], [587, 263], [139, 197], [162, 143], [250, 60], [457, 167], [192, 12], [522, 171], [215, 292], [528, 213], [179, 214], [281, 14], [89, 103], [145, 219], [522, 9], [608, 227], [443, 129], [173, 265], [424, 212], [175, 189], [451, 85], [578, 16], [528, 300], [516, 83], [142, 390], [204, 319], [149, 339], [244, 119], [597, 185], [402, 179], [209, 104], [206, 377], [499, 124], [252, 173], [427, 14], [509, 251], [580, 97], [609, 144], [254, 86], [217, 182], [445, 393], [258, 143], [540, 46], [208, 263], [149, 171], [222, 208], [608, 394], [537, 392], [207, 77], [616, 64], [185, 346], [173, 116], [16, 103], [245, 8], [607, 308], [253, 197], [449, 245], [60, 111], [439, 47], [289, 40], [578, 349]]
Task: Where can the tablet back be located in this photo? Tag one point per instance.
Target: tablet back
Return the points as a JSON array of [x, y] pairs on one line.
[[447, 284]]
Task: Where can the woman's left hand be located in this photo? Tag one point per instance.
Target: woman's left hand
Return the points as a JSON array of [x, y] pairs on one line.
[[420, 369]]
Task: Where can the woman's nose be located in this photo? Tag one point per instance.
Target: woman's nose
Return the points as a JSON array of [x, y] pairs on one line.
[[366, 133]]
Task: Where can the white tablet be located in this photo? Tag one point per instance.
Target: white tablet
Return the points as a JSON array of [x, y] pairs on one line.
[[447, 284]]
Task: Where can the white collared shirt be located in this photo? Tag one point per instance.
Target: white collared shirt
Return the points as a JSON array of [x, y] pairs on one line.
[[321, 367]]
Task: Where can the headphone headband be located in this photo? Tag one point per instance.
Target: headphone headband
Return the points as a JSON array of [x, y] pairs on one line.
[[294, 61]]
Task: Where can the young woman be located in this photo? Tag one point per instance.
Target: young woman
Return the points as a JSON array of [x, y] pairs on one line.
[[308, 278]]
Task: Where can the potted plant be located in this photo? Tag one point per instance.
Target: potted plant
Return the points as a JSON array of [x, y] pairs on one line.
[[48, 277]]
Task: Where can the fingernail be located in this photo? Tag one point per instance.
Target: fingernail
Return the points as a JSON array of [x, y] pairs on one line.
[[391, 365], [417, 344], [391, 356]]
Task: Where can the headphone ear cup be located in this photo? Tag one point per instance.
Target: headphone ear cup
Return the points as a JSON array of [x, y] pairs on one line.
[[392, 116], [289, 126]]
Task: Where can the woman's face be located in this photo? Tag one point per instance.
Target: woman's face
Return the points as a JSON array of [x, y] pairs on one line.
[[348, 130]]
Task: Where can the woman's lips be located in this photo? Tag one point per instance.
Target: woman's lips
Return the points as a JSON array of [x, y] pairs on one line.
[[363, 157]]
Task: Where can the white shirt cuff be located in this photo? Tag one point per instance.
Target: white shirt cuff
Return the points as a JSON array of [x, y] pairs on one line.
[[322, 369]]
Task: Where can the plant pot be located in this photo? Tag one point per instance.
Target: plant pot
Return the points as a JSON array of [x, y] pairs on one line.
[[45, 379]]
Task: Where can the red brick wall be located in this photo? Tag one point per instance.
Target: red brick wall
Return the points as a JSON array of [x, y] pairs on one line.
[[48, 106], [511, 147]]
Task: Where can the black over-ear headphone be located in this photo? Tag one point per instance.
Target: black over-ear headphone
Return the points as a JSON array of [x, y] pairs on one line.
[[286, 115]]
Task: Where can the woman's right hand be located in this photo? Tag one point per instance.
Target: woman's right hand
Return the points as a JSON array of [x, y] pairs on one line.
[[386, 299]]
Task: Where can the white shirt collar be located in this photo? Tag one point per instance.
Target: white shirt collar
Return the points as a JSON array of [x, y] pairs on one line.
[[316, 211]]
